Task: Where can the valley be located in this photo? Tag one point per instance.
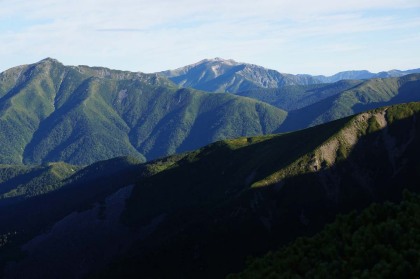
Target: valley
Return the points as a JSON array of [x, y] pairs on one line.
[[114, 174]]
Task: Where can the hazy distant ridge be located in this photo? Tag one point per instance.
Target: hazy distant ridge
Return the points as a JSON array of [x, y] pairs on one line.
[[220, 75]]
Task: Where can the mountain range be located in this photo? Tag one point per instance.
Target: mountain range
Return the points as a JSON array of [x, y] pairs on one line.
[[363, 74], [117, 174], [51, 112], [203, 213], [221, 75], [78, 114]]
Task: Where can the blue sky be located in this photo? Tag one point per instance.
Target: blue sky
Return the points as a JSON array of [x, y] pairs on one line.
[[300, 36]]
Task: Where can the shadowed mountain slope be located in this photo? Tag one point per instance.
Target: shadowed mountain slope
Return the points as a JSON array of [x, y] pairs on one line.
[[19, 182], [202, 213], [263, 192], [381, 241]]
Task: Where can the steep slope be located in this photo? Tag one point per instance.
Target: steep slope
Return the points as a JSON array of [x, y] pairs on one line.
[[79, 115], [42, 95], [380, 242], [86, 190], [294, 97], [50, 112], [219, 75], [262, 192], [308, 101], [367, 95], [19, 182], [202, 213]]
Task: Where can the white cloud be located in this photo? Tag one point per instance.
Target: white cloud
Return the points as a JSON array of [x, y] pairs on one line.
[[151, 36]]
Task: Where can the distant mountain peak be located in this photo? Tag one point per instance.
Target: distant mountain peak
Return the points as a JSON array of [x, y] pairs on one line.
[[218, 59], [227, 75], [49, 60]]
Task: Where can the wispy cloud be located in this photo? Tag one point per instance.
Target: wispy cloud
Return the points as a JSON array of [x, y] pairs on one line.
[[120, 30], [153, 36]]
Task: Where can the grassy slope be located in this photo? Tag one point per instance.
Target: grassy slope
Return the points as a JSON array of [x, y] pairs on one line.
[[315, 104], [22, 182], [167, 122], [368, 95], [50, 112], [34, 88], [81, 115], [294, 97]]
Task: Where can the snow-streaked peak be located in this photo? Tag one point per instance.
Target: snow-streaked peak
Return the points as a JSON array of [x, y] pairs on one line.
[[221, 60]]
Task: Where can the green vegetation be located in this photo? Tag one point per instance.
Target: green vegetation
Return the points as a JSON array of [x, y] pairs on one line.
[[367, 95], [396, 113], [80, 115], [308, 101], [294, 97], [29, 181], [199, 213], [202, 213], [241, 197], [258, 155], [381, 242]]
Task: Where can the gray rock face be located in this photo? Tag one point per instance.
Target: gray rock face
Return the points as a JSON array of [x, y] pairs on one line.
[[219, 75]]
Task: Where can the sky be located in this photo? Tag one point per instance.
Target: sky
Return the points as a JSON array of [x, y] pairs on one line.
[[299, 36]]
